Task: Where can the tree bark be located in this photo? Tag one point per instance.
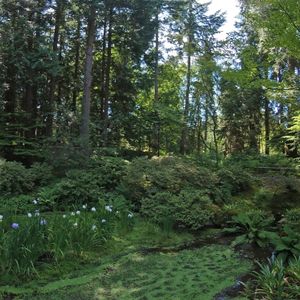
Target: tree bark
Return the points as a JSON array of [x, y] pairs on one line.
[[267, 127], [156, 95], [86, 100], [76, 67], [184, 134], [107, 78], [53, 79]]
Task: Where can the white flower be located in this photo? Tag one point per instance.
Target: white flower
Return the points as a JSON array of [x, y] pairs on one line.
[[1, 218], [64, 216], [130, 215], [84, 206], [75, 224], [117, 212], [35, 202], [29, 215], [78, 212], [72, 213], [103, 221], [37, 214], [93, 209], [94, 227], [108, 208]]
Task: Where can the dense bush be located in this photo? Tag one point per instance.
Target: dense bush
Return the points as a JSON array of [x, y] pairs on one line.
[[191, 208], [15, 178], [41, 174], [146, 177], [85, 185], [83, 188], [233, 180], [257, 161], [109, 171]]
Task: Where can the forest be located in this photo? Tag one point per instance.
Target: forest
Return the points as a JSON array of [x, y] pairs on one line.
[[144, 155]]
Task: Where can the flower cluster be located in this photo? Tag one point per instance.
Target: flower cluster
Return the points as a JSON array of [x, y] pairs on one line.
[[24, 240]]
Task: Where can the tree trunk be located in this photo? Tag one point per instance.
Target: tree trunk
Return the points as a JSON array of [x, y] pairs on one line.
[[76, 67], [86, 100], [267, 127], [157, 121], [53, 79], [107, 78], [103, 66], [184, 134]]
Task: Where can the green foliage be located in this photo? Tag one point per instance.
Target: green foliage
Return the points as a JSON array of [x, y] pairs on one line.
[[274, 280], [235, 207], [255, 162], [287, 243], [145, 178], [110, 171], [16, 179], [41, 173], [292, 216], [252, 227], [234, 180], [28, 242], [85, 185], [17, 204], [191, 208], [21, 247], [68, 192], [270, 281]]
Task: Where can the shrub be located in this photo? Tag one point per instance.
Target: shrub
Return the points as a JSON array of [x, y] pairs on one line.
[[233, 180], [14, 178], [191, 208], [109, 171], [75, 191], [41, 174], [146, 177], [85, 186], [256, 161], [159, 206]]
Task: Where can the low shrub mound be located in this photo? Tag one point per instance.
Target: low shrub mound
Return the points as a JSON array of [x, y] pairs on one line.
[[191, 208], [16, 179], [146, 177]]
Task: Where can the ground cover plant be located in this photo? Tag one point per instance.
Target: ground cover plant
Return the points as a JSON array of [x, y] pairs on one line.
[[275, 280], [252, 227], [198, 274]]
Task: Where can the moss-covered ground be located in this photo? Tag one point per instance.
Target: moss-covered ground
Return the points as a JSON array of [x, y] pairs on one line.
[[124, 271], [188, 274]]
